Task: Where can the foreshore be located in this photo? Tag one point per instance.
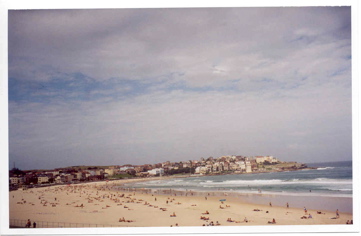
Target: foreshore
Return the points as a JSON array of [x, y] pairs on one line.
[[99, 203]]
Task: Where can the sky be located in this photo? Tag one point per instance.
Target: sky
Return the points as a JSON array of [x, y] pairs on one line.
[[143, 86]]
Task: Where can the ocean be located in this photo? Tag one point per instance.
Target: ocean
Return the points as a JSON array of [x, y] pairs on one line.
[[330, 180]]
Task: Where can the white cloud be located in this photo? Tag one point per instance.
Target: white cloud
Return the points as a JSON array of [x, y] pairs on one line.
[[140, 43], [178, 125], [267, 75]]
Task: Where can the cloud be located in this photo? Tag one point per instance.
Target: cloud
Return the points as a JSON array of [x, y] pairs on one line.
[[177, 125], [129, 85], [140, 43]]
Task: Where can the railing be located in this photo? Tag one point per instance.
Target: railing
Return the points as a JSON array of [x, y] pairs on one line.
[[15, 223]]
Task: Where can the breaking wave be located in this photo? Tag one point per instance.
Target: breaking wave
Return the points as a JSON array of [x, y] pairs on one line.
[[325, 168]]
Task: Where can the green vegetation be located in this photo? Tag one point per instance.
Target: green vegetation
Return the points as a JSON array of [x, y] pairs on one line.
[[185, 170], [17, 171], [122, 176]]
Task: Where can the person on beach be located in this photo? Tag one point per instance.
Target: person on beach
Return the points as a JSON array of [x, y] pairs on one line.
[[304, 208], [28, 224], [288, 205], [309, 216], [337, 214], [272, 222], [270, 204]]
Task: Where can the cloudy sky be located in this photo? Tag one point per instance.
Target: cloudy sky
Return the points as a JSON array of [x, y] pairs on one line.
[[119, 86]]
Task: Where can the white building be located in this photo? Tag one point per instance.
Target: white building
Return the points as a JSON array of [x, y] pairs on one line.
[[234, 166], [216, 167], [260, 159], [77, 175], [43, 179], [248, 167], [14, 180], [157, 171], [186, 164], [201, 170], [271, 159], [109, 171], [242, 165]]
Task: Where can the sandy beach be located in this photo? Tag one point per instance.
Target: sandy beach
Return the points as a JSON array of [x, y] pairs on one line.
[[100, 204]]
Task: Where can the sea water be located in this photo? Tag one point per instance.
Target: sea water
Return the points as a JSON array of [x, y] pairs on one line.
[[331, 181]]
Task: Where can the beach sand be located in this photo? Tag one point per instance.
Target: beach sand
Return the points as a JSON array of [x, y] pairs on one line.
[[99, 204]]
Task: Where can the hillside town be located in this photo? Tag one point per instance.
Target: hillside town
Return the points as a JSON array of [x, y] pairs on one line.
[[205, 166]]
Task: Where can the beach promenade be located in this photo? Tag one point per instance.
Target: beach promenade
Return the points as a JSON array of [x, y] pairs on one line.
[[99, 204]]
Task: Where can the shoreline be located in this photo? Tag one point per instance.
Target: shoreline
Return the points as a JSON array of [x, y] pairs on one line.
[[344, 204]]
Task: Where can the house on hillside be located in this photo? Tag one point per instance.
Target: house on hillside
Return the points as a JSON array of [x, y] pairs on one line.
[[201, 170], [242, 165], [167, 163], [234, 166], [58, 180], [248, 167], [226, 166], [16, 180], [260, 159], [216, 167], [139, 169], [157, 171], [43, 179], [110, 171]]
